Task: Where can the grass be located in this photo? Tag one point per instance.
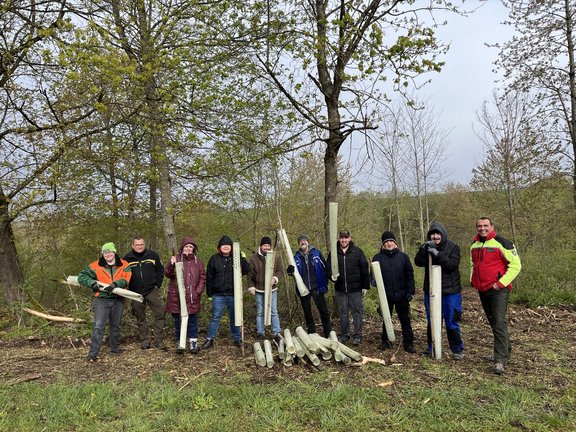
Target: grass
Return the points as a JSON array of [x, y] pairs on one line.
[[436, 400]]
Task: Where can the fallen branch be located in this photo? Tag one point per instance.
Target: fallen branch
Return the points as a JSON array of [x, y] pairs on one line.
[[25, 378], [367, 360], [53, 317]]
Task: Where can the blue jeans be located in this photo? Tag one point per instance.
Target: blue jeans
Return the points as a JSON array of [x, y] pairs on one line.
[[191, 329], [350, 302], [106, 310], [260, 313], [451, 313], [219, 303]]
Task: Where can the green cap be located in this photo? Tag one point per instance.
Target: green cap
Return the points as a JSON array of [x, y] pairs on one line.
[[109, 247]]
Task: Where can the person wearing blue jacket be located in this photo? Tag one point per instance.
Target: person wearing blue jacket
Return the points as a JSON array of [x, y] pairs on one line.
[[398, 276], [312, 267]]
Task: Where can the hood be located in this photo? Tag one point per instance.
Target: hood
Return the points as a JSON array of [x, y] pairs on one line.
[[438, 227], [188, 240], [225, 240]]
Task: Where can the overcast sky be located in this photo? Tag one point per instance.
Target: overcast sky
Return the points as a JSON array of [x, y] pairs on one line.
[[466, 80]]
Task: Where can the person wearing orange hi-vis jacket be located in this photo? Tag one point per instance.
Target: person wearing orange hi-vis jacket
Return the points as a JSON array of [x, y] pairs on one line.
[[109, 269], [495, 264]]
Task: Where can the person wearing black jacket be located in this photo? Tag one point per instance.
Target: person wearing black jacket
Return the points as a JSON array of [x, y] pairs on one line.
[[398, 277], [446, 254], [350, 286], [220, 287], [147, 276]]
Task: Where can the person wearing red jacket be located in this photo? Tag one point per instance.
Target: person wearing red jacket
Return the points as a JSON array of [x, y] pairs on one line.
[[194, 275], [495, 264]]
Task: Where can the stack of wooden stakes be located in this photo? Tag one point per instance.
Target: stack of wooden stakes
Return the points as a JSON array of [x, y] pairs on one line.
[[304, 348]]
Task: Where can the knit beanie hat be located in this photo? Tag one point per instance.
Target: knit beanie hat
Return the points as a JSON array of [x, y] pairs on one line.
[[388, 235], [225, 240], [302, 237], [266, 240], [109, 247]]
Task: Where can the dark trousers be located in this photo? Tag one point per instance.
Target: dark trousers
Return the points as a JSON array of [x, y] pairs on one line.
[[106, 310], [351, 302], [154, 301], [403, 311], [320, 302], [191, 329], [495, 305]]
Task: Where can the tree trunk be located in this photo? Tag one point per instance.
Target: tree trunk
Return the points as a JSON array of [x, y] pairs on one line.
[[11, 278], [572, 83]]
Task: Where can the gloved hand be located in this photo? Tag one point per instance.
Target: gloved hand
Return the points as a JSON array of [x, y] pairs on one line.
[[110, 287], [242, 255], [333, 278], [409, 297], [372, 282], [364, 292], [252, 291], [290, 270], [433, 251], [95, 287], [431, 244]]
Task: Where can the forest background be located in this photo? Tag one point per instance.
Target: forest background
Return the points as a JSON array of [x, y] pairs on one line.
[[165, 120]]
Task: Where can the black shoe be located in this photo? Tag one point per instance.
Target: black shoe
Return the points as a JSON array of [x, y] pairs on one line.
[[427, 354], [90, 359], [259, 337], [179, 350], [357, 341], [409, 349], [208, 343], [385, 345], [343, 339], [145, 345], [117, 351], [238, 343], [161, 346], [193, 348], [278, 338]]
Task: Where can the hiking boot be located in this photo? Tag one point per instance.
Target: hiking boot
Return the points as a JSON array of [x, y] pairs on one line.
[[179, 350], [116, 351], [277, 338], [458, 355], [90, 359], [209, 343], [238, 343], [410, 349], [193, 347], [145, 345], [343, 339], [499, 369], [357, 341], [160, 345]]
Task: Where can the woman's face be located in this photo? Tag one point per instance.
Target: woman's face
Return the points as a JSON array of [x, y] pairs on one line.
[[188, 249]]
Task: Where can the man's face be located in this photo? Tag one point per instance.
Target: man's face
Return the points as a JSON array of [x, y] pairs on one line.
[[266, 248], [138, 245], [484, 227], [390, 245], [436, 237], [188, 249], [304, 245], [225, 249], [109, 256], [344, 242]]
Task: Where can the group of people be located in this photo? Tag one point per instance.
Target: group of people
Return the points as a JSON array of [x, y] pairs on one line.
[[495, 263]]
